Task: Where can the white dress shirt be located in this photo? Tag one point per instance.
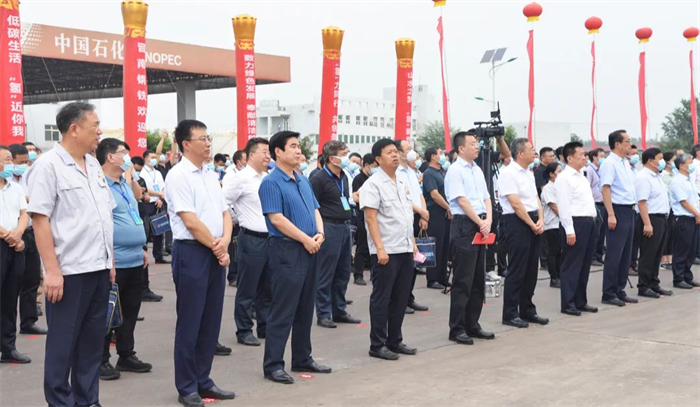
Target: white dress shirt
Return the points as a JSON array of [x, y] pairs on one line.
[[195, 190], [651, 188], [516, 180], [154, 181], [549, 196], [241, 193], [403, 173], [574, 198], [695, 176], [12, 201]]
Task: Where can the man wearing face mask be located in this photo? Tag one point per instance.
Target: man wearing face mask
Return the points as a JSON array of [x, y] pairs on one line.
[[684, 202], [597, 158], [356, 159], [33, 155], [332, 191], [303, 166], [633, 158], [440, 217], [361, 260], [414, 162], [31, 278]]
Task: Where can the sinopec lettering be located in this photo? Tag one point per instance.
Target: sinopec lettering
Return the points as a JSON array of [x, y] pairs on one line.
[[163, 59]]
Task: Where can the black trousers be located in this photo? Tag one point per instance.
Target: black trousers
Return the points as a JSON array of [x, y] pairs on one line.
[[293, 281], [684, 237], [416, 230], [391, 286], [31, 280], [576, 262], [11, 269], [362, 249], [199, 284], [500, 248], [651, 250], [333, 269], [668, 243], [150, 210], [492, 258], [619, 253], [523, 256], [253, 284], [75, 340], [233, 254], [544, 252], [469, 277], [439, 228], [552, 237], [637, 240], [130, 283], [601, 225]]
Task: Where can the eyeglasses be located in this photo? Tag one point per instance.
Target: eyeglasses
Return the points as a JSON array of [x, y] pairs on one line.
[[204, 139]]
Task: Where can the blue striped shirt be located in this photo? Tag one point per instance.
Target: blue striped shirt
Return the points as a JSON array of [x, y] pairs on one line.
[[129, 237], [293, 198]]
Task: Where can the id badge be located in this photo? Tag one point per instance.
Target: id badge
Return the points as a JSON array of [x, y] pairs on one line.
[[346, 204], [156, 188], [135, 216]]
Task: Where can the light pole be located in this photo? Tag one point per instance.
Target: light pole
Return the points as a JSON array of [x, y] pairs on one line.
[[492, 56]]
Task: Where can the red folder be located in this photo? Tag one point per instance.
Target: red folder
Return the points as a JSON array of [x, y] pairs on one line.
[[484, 240]]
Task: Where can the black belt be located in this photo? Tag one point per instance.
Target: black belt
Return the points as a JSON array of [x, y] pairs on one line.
[[658, 215], [588, 218], [337, 222], [684, 217], [254, 233], [600, 203], [481, 216], [628, 206], [191, 242]]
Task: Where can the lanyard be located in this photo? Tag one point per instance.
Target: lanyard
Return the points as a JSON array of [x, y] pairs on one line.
[[341, 186], [153, 175], [126, 199]]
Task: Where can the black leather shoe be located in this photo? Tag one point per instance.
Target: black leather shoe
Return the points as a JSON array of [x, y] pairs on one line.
[[108, 372], [349, 302], [629, 300], [536, 319], [556, 283], [249, 340], [410, 311], [33, 330], [162, 261], [222, 350], [436, 285], [683, 285], [418, 307], [280, 376], [694, 283], [663, 291], [139, 318], [262, 335], [573, 312], [403, 349], [360, 281], [649, 293], [516, 322], [420, 270], [312, 368], [14, 357], [233, 283], [150, 296], [383, 353], [614, 301], [481, 334], [133, 364], [326, 323], [462, 338], [588, 308], [191, 400], [216, 393], [346, 319]]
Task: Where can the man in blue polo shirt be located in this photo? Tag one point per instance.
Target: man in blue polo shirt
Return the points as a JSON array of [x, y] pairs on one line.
[[130, 257], [296, 234]]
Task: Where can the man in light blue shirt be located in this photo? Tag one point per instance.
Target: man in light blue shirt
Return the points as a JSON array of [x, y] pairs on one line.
[[597, 158], [686, 209], [619, 197]]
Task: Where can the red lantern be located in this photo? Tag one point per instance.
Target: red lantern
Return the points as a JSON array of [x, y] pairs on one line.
[[691, 33], [643, 34], [532, 11], [593, 25]]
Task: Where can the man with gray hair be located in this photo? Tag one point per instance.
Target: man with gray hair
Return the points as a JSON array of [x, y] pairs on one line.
[[332, 191], [523, 226]]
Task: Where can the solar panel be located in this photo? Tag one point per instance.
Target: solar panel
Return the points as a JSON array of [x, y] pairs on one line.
[[499, 54], [487, 56]]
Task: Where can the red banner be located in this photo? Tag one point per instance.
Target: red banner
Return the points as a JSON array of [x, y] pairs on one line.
[[642, 97], [693, 103], [531, 83], [135, 90], [593, 142], [245, 93], [445, 110], [404, 99], [12, 125], [330, 93]]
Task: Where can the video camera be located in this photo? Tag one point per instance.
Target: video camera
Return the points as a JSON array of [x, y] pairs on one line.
[[492, 128]]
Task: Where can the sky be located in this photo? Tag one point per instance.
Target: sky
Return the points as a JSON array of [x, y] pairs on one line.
[[368, 63]]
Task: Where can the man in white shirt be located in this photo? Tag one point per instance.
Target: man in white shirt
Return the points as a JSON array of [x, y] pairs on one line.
[[523, 227], [241, 192], [695, 179], [577, 218], [156, 190], [201, 228], [240, 160]]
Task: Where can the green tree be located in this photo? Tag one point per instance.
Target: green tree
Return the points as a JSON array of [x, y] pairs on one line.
[[307, 145], [678, 128], [575, 137], [153, 138], [433, 136], [511, 134]]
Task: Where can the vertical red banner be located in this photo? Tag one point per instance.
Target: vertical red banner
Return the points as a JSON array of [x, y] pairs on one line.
[[246, 115], [404, 88], [531, 83], [135, 84], [593, 142], [445, 107], [12, 124], [642, 97], [693, 103], [330, 87]]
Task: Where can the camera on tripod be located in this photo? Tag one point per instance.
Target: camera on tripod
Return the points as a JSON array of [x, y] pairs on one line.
[[492, 128]]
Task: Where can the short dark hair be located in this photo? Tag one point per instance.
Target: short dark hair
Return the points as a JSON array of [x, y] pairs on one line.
[[559, 151], [279, 140], [650, 154], [147, 153], [17, 149], [138, 161], [28, 143], [694, 151], [429, 153], [545, 150], [183, 131], [570, 149], [321, 161], [252, 145], [669, 156], [633, 146], [615, 137], [353, 154], [551, 168], [71, 113], [107, 146], [397, 143], [368, 159], [380, 145], [219, 157], [458, 139], [594, 153]]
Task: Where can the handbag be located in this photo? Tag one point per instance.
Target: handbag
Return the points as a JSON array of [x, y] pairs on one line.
[[160, 223], [426, 245], [114, 309]]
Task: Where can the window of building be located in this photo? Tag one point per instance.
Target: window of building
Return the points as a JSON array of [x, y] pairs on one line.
[[340, 118], [347, 119], [381, 122], [391, 123], [51, 133], [364, 120], [357, 120], [374, 121], [414, 125]]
